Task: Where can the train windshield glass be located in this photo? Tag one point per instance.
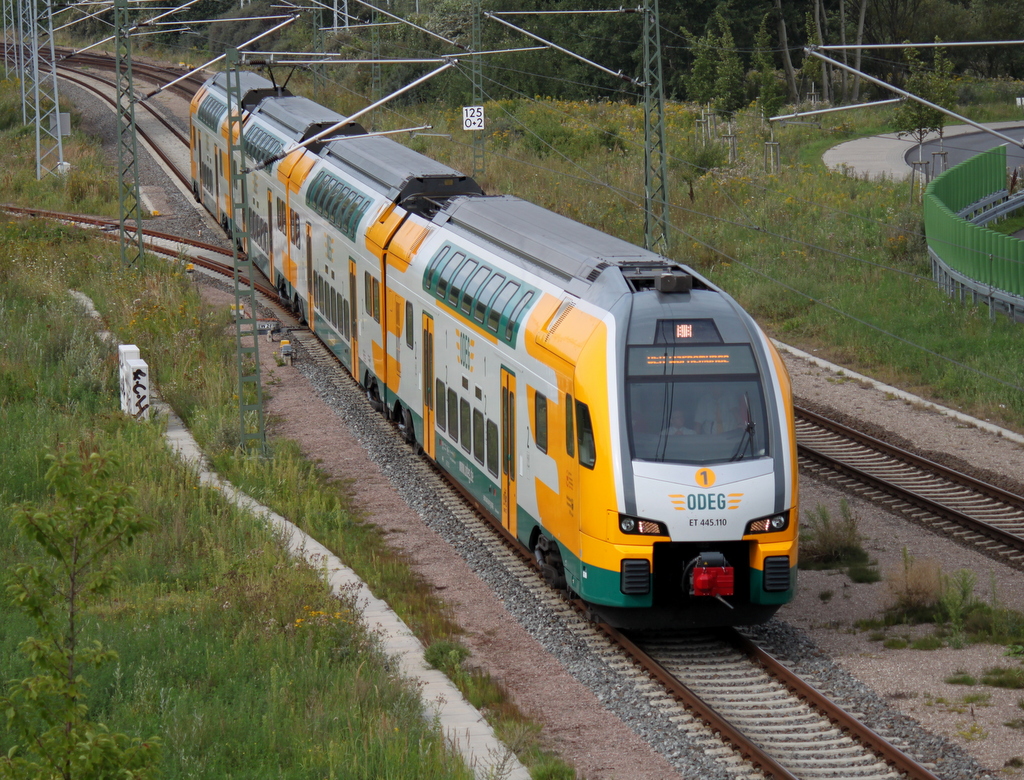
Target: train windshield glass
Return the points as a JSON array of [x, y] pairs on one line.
[[695, 405]]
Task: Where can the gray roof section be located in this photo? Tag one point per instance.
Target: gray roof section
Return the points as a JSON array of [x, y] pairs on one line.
[[254, 87], [300, 115], [551, 245], [397, 169]]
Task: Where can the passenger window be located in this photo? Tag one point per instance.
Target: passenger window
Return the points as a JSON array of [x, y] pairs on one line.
[[540, 422], [439, 419], [376, 300], [502, 299], [570, 436], [464, 423], [585, 436], [447, 272], [513, 319], [472, 287], [459, 280], [478, 435], [453, 414], [489, 291], [428, 278]]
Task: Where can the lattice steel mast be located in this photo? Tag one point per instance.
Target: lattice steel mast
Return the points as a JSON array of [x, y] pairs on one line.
[[476, 73], [656, 220], [129, 199], [40, 98], [250, 386], [10, 38]]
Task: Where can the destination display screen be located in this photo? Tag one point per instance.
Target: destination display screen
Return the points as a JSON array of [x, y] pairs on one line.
[[687, 331], [657, 360]]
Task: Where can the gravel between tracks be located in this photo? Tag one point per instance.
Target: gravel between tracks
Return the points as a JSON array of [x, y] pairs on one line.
[[553, 676]]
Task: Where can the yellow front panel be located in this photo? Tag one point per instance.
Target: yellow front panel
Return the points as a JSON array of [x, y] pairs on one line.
[[765, 549], [597, 486], [604, 555]]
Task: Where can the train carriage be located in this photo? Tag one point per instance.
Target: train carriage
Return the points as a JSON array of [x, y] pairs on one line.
[[616, 412]]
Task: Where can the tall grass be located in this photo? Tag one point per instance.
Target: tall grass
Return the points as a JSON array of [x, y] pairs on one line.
[[236, 655]]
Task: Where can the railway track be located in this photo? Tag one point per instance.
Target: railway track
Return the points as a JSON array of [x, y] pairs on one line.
[[722, 691], [949, 502]]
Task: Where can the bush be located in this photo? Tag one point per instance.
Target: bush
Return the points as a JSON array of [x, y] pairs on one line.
[[916, 589], [829, 544]]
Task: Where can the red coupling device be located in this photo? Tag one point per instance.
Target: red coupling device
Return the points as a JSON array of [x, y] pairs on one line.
[[713, 576], [713, 581]]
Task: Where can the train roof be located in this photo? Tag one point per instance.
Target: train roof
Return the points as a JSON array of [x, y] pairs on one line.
[[398, 170], [254, 87], [302, 117], [554, 246]]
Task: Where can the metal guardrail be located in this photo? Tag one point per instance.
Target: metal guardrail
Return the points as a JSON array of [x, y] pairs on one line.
[[969, 260]]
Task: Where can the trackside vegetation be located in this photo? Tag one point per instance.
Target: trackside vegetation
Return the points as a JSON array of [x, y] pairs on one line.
[[234, 655]]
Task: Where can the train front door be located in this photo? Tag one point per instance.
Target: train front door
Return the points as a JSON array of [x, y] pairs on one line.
[[353, 309], [428, 385], [508, 450]]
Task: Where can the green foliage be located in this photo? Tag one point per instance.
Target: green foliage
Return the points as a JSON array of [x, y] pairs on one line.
[[771, 93], [935, 85], [930, 642], [91, 520], [730, 89], [826, 543], [700, 86], [1004, 677]]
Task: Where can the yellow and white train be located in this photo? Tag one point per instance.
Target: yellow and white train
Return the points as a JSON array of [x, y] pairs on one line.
[[621, 416]]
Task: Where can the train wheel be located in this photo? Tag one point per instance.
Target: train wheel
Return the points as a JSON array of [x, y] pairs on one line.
[[549, 558], [373, 396], [407, 427]]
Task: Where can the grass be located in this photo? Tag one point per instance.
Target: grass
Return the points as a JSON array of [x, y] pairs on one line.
[[827, 543], [234, 654]]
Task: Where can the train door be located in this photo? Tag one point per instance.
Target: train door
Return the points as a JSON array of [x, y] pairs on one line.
[[216, 188], [428, 385], [353, 310], [270, 238], [508, 450], [309, 277]]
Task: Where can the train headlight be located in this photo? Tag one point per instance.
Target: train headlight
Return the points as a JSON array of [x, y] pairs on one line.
[[772, 524], [634, 525]]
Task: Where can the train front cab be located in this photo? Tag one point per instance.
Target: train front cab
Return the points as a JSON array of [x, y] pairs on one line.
[[712, 503]]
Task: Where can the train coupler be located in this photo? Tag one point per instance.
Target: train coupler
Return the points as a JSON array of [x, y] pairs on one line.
[[710, 574]]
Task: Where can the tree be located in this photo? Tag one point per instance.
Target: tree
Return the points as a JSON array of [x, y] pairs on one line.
[[935, 85], [770, 93], [730, 91], [90, 520], [700, 87]]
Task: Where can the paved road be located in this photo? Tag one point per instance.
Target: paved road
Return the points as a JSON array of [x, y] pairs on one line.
[[965, 145], [885, 156]]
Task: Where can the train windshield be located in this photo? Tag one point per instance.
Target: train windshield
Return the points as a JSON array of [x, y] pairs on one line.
[[695, 405]]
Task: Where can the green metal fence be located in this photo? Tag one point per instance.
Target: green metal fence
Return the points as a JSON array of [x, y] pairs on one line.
[[980, 259]]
